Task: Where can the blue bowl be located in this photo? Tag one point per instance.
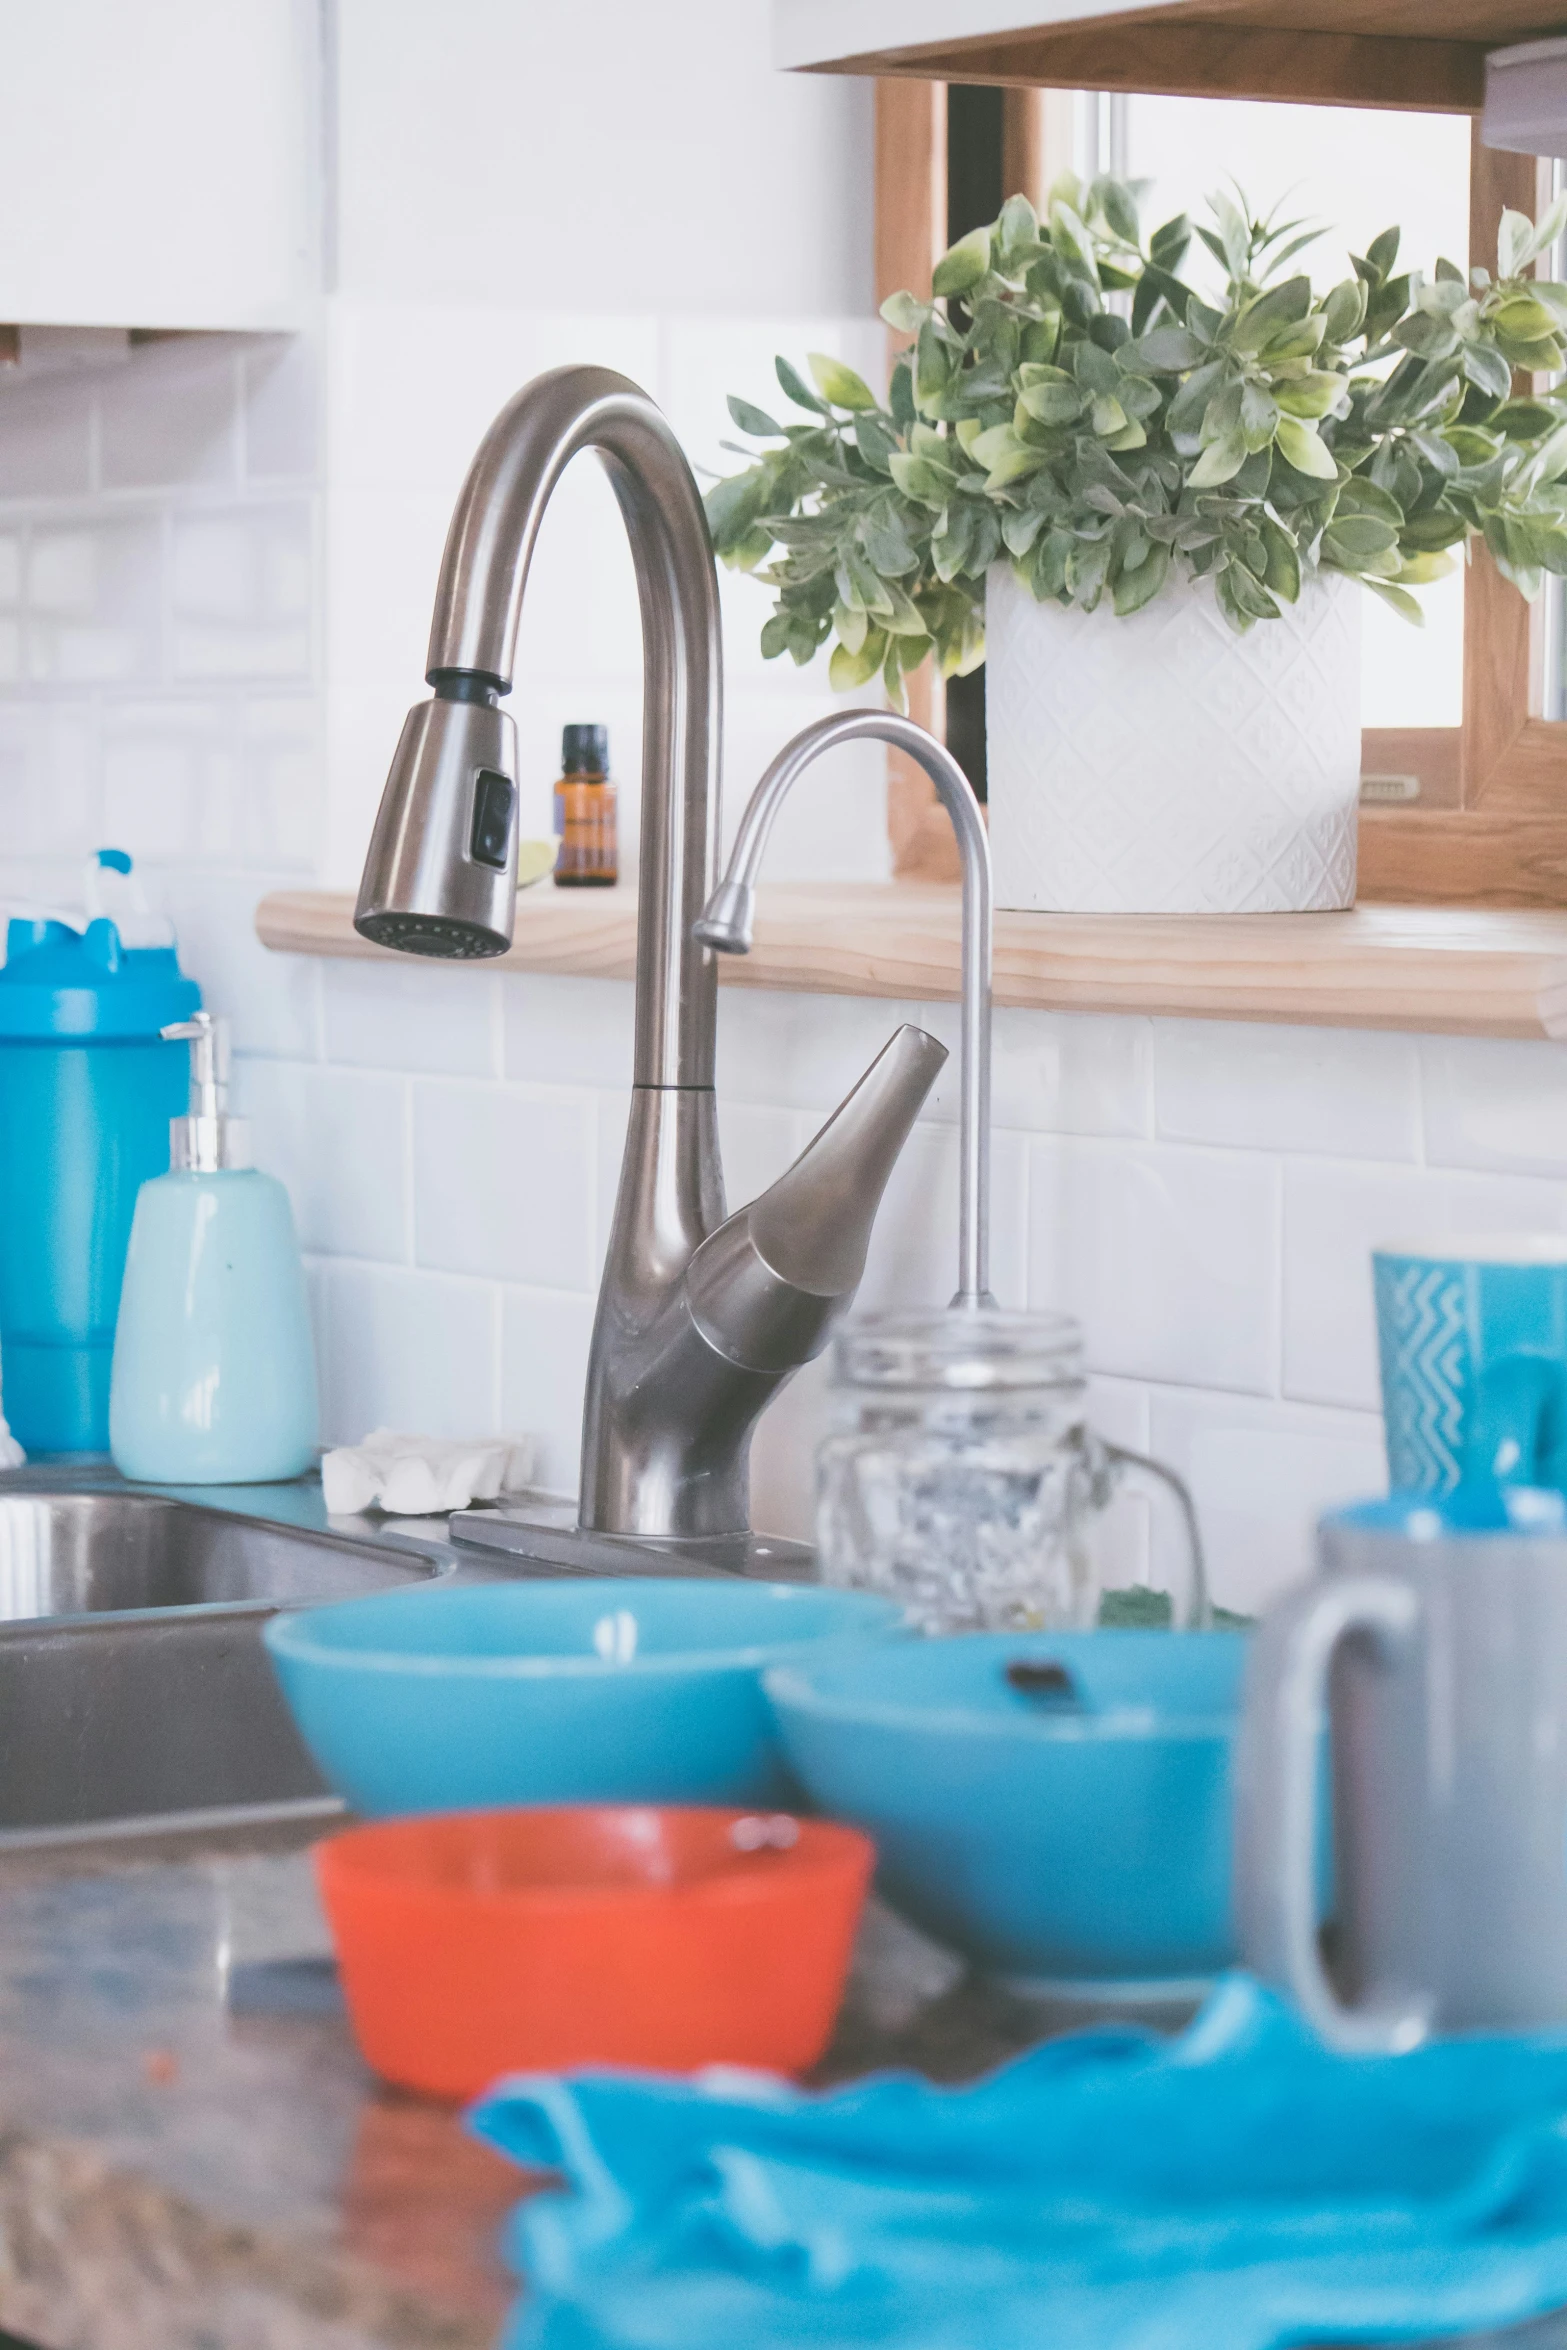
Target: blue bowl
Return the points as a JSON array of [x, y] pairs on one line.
[[1075, 1847], [634, 1689]]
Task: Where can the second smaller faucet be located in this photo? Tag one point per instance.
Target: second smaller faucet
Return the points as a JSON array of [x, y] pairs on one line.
[[726, 925]]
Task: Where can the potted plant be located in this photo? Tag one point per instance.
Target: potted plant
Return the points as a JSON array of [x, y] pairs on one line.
[[1147, 507]]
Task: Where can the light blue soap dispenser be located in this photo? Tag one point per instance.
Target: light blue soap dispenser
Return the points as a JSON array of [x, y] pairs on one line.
[[214, 1377]]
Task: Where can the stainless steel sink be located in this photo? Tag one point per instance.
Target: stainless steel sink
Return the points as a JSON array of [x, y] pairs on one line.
[[133, 1682]]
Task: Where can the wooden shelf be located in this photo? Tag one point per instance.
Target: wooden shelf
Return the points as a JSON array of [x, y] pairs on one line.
[[1426, 55], [1446, 969]]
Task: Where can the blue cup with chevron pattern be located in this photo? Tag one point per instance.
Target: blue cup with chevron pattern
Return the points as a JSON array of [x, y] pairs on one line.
[[1472, 1335]]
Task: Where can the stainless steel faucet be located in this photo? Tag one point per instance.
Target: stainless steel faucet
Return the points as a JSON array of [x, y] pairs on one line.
[[700, 1317]]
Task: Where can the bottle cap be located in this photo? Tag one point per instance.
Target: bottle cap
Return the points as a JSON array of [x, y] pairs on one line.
[[584, 750], [207, 1138]]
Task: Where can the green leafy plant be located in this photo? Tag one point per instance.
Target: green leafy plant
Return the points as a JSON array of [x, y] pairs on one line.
[[1072, 402]]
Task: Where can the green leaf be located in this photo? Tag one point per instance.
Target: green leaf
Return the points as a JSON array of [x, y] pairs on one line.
[[1113, 198], [1284, 305], [847, 670], [1165, 350], [875, 443], [1487, 370], [1219, 462], [1052, 403], [1403, 603], [1382, 251], [1259, 416], [904, 314], [932, 368], [963, 265], [1281, 560], [776, 633], [1512, 240], [840, 384], [1135, 588], [1302, 449], [1344, 311], [755, 421], [1167, 246], [1523, 319], [796, 389], [1354, 539], [1320, 393], [1018, 224], [732, 506]]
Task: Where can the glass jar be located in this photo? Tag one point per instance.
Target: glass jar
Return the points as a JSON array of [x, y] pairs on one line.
[[960, 1476]]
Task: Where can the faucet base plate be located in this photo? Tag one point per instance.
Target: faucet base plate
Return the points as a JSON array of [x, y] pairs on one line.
[[541, 1528]]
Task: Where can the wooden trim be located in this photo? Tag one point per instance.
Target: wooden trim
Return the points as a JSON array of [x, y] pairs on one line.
[[1432, 754], [1449, 970], [1175, 57], [911, 185]]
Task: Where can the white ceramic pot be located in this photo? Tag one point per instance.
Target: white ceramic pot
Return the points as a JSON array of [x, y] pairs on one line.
[[1162, 764]]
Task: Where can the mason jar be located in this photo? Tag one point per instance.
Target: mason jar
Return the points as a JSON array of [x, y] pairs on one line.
[[960, 1476]]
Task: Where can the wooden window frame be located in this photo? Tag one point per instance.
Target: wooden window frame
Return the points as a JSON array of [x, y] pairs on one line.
[[1490, 827]]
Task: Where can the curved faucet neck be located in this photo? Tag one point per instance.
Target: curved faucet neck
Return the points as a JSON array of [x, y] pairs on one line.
[[473, 641]]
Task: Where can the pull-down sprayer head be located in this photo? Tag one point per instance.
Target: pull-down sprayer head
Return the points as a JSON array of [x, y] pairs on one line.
[[441, 874]]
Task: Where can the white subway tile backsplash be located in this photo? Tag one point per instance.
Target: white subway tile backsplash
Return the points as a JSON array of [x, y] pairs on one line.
[[172, 780], [50, 798], [1260, 1475], [10, 563], [46, 439], [504, 1182], [1338, 1092], [169, 418], [280, 418], [339, 1139], [544, 1361], [1496, 1103], [802, 1052], [436, 1018], [407, 1350], [1063, 1073], [567, 1031], [1169, 1258], [241, 593], [272, 1001], [93, 601], [913, 1259], [1335, 1214]]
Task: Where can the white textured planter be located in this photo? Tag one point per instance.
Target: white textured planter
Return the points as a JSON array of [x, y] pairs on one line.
[[1162, 764]]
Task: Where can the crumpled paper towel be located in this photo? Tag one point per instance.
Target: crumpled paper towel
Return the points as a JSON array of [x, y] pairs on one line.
[[422, 1476]]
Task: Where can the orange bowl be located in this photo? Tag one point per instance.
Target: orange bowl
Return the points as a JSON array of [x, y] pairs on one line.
[[478, 1943]]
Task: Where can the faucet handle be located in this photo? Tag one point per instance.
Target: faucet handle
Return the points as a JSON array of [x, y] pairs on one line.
[[766, 1288]]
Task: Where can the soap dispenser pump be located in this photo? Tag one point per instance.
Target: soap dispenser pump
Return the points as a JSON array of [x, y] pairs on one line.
[[214, 1379]]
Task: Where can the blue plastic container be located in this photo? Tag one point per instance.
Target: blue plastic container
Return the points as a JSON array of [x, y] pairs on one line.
[[629, 1689], [87, 1090]]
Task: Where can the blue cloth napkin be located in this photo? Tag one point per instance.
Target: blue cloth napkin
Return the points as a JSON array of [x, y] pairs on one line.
[[1237, 2188]]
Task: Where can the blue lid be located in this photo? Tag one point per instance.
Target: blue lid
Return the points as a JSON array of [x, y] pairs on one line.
[[60, 982], [1480, 1507]]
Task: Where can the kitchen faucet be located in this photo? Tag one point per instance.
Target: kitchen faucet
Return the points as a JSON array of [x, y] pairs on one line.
[[701, 1316]]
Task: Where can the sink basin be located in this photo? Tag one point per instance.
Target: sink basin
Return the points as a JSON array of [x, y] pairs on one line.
[[79, 1554], [133, 1683]]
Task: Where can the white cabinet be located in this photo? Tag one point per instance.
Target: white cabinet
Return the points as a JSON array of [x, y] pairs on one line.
[[158, 162]]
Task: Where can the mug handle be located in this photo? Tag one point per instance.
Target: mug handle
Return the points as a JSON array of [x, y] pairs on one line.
[[1277, 1778], [1197, 1615]]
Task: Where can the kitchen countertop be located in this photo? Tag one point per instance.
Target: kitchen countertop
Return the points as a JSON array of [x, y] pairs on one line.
[[192, 2156]]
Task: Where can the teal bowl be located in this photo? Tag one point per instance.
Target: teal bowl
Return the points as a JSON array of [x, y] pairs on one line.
[[1075, 1838], [631, 1689]]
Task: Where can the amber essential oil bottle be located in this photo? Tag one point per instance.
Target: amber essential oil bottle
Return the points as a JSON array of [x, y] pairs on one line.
[[589, 855]]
